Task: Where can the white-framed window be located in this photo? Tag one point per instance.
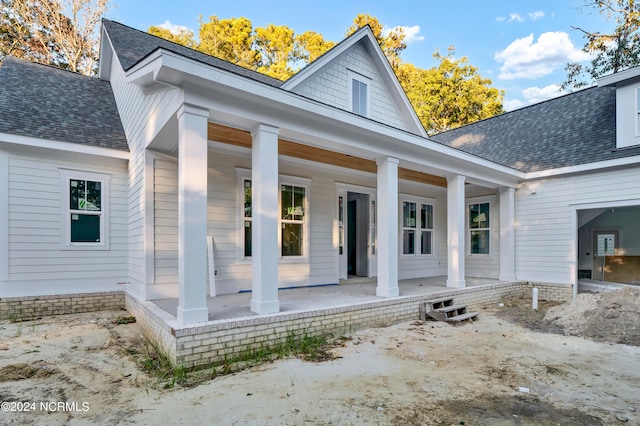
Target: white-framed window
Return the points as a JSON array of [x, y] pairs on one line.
[[417, 227], [480, 228], [84, 209], [360, 94], [638, 111], [293, 217]]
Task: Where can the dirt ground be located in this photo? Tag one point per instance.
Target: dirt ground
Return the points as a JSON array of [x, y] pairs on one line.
[[511, 367]]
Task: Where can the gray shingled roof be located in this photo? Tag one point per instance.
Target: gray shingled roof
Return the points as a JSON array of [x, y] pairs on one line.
[[574, 129], [49, 103], [133, 45]]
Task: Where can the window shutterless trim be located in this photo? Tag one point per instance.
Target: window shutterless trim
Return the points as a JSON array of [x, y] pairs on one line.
[[66, 176]]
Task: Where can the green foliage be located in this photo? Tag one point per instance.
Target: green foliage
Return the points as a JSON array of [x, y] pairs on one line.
[[158, 364], [392, 44], [611, 52], [451, 94], [183, 37], [229, 39]]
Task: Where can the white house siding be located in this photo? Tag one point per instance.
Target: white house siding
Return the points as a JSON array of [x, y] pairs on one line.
[[410, 266], [140, 114], [331, 86], [165, 221], [545, 245], [37, 262]]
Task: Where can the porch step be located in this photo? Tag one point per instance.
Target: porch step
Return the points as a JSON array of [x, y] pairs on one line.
[[444, 309]]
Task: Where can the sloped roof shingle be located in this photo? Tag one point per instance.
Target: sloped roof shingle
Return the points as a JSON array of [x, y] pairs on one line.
[[49, 103], [571, 130], [133, 45]]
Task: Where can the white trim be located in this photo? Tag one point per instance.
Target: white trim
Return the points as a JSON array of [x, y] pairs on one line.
[[246, 174], [306, 221], [4, 216], [382, 63], [376, 137], [149, 217], [419, 202], [24, 288], [65, 176], [362, 79], [573, 231], [619, 162], [618, 77], [64, 146], [491, 200]]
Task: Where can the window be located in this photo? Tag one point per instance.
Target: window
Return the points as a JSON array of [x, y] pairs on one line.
[[246, 221], [479, 228], [417, 230], [292, 217], [84, 208], [638, 112], [341, 224], [292, 220], [360, 100]]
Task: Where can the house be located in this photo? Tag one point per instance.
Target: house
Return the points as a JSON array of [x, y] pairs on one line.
[[179, 175]]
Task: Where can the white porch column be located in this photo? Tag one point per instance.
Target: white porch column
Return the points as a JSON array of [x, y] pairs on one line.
[[264, 226], [455, 231], [387, 228], [192, 214], [507, 234]]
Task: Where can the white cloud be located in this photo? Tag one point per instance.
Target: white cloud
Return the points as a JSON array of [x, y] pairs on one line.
[[411, 34], [533, 95], [524, 58], [515, 17], [538, 14], [500, 19], [175, 29]]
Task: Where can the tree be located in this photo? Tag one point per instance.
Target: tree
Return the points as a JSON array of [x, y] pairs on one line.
[[611, 52], [54, 32], [182, 36], [229, 39], [392, 44], [451, 94], [312, 45]]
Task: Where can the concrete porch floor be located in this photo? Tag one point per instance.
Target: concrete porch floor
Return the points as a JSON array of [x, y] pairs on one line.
[[349, 292]]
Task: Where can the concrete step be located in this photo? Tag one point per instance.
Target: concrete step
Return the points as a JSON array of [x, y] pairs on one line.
[[469, 316]]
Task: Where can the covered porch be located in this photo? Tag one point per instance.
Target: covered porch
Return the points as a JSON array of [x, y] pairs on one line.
[[311, 298]]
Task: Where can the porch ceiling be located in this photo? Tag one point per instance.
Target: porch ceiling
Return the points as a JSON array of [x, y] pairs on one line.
[[238, 137]]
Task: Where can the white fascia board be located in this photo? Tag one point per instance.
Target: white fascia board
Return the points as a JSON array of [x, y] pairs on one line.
[[175, 70], [63, 146], [600, 165], [105, 55], [618, 77], [336, 51]]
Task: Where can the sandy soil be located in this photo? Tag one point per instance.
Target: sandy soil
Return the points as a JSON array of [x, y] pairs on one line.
[[494, 371]]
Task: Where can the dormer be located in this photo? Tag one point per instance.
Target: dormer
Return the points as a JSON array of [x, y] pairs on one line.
[[627, 84]]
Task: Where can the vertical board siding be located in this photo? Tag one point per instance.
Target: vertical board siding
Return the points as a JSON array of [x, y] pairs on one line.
[[544, 238], [331, 85], [35, 217]]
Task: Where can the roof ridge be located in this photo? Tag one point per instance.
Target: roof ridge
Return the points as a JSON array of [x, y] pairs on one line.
[[197, 52]]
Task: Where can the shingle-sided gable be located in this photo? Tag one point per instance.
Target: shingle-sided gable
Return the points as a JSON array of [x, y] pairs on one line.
[[575, 129], [44, 102], [328, 80]]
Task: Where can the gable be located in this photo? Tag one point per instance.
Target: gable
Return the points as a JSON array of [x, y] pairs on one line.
[[330, 80], [331, 85]]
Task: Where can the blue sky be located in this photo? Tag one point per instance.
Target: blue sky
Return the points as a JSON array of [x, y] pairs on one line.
[[522, 46]]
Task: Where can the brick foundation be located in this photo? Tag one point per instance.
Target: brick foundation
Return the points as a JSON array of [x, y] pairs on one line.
[[31, 307], [210, 342]]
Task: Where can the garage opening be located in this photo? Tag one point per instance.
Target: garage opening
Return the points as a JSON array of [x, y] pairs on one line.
[[609, 245]]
